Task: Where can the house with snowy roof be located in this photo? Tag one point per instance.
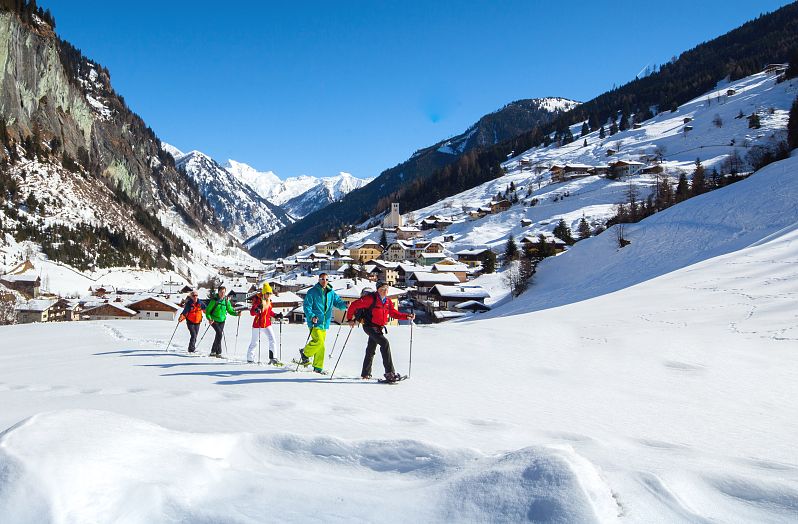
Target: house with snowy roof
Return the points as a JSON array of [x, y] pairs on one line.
[[473, 257], [109, 311], [365, 251], [424, 281], [622, 168], [154, 308], [36, 310], [29, 285], [448, 297]]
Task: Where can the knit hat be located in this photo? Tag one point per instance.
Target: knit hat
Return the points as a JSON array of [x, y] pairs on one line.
[[380, 283], [267, 288]]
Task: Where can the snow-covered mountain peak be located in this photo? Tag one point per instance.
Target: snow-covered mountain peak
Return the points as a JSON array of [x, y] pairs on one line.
[[556, 103], [172, 150]]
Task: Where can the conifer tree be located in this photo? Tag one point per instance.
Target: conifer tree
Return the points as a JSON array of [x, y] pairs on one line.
[[510, 250], [584, 229], [613, 128], [682, 188], [792, 126], [699, 181], [563, 232], [602, 133], [585, 129], [753, 121]]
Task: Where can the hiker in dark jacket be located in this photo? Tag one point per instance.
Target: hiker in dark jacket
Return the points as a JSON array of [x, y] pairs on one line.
[[376, 310], [192, 314]]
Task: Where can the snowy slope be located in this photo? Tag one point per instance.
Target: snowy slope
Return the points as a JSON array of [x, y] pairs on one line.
[[669, 401], [240, 208], [596, 197]]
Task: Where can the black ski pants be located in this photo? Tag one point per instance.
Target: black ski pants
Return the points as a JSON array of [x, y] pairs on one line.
[[376, 336], [218, 328], [193, 330]]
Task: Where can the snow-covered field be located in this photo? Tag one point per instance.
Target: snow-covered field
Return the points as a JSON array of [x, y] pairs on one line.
[[668, 401]]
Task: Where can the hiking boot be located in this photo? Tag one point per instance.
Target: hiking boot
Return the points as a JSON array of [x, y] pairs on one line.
[[273, 362], [250, 361], [365, 377], [303, 360], [319, 371], [391, 377]]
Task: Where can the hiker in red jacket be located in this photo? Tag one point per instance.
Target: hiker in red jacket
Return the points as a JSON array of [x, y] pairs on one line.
[[375, 310], [262, 325]]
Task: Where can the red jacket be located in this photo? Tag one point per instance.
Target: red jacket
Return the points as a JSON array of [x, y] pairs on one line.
[[263, 316], [380, 313]]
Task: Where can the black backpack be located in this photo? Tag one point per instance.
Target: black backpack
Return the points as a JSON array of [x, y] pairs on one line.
[[363, 315]]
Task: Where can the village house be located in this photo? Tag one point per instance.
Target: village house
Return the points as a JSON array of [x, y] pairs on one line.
[[570, 171], [472, 306], [622, 168], [426, 258], [397, 251], [36, 310], [403, 271], [154, 308], [424, 281], [100, 290], [327, 248], [448, 297], [28, 285], [499, 206], [407, 232], [531, 244], [240, 291], [473, 257], [65, 310], [526, 222], [365, 251], [461, 271], [109, 311], [286, 302]]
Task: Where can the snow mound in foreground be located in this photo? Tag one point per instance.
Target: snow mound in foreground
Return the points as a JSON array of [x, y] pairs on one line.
[[120, 469]]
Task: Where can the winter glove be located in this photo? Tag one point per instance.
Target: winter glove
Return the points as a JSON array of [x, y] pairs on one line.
[[181, 319], [278, 316]]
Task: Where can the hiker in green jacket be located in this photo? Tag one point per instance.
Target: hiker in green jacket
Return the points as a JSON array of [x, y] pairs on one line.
[[217, 311]]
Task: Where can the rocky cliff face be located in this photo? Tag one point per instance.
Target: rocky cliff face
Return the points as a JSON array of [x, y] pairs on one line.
[[62, 120]]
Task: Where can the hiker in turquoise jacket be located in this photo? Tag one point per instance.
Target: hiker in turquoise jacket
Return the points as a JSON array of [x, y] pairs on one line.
[[217, 310], [318, 306]]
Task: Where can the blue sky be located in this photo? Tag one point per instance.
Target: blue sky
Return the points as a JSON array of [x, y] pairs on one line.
[[321, 87]]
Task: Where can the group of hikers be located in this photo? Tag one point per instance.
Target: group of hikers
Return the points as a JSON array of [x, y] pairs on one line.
[[373, 309]]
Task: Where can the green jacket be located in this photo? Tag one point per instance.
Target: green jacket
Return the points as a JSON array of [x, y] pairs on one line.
[[217, 309]]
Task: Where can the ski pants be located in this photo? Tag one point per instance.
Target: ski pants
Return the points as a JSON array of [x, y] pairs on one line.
[[257, 334], [314, 349], [376, 336], [218, 328], [193, 330]]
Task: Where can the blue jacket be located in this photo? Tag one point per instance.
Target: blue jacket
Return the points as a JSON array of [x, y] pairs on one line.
[[319, 302]]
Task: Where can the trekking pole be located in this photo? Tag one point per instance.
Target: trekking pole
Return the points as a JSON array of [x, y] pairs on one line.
[[203, 334], [258, 346], [303, 347], [238, 325], [281, 340], [173, 336], [336, 340], [410, 365], [342, 351]]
